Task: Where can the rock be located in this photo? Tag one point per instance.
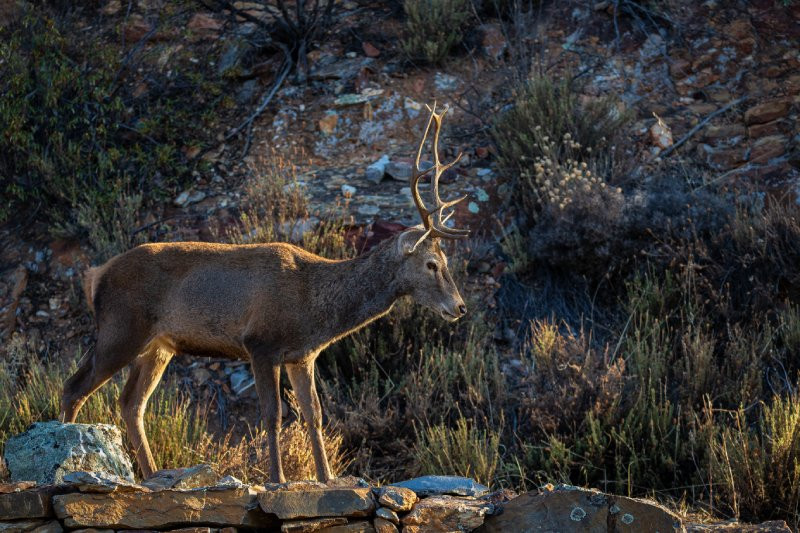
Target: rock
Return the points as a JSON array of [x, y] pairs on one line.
[[775, 127], [445, 82], [766, 112], [327, 124], [352, 99], [101, 482], [399, 170], [191, 477], [397, 498], [438, 485], [314, 503], [163, 509], [384, 526], [370, 50], [660, 134], [447, 513], [768, 148], [346, 482], [31, 526], [680, 68], [187, 198], [295, 231], [26, 504], [360, 526], [340, 69], [387, 514], [6, 488], [308, 526], [204, 25], [377, 169], [49, 450], [575, 509], [727, 131], [493, 41], [348, 191], [242, 380], [412, 107], [368, 210]]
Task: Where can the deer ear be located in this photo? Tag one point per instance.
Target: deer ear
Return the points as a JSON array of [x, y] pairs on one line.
[[408, 241]]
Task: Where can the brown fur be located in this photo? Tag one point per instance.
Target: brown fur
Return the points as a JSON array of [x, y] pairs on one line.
[[275, 304]]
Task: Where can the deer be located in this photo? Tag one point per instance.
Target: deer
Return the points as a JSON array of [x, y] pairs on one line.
[[275, 304]]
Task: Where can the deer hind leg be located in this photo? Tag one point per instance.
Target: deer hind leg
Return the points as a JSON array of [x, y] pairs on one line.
[[301, 376], [111, 354], [146, 372], [268, 378]]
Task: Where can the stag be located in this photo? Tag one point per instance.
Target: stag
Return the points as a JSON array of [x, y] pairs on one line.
[[274, 304]]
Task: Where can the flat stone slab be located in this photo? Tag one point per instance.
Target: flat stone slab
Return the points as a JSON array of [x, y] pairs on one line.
[[26, 504], [317, 502], [163, 509], [309, 526], [100, 482], [359, 526], [440, 485], [396, 498], [31, 526], [191, 477], [5, 488]]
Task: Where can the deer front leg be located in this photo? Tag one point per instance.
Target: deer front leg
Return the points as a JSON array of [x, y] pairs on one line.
[[268, 375], [302, 377]]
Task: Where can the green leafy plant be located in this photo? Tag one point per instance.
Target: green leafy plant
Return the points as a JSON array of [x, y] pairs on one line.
[[433, 28]]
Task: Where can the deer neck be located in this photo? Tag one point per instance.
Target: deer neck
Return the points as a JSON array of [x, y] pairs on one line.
[[359, 290]]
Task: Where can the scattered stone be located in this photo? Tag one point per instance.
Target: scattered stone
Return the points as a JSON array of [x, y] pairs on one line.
[[768, 148], [387, 514], [377, 169], [289, 504], [101, 482], [445, 82], [370, 50], [352, 99], [187, 198], [135, 29], [567, 508], [31, 526], [384, 526], [242, 380], [439, 485], [47, 451], [397, 498], [412, 107], [368, 210], [447, 513], [163, 509], [191, 477], [727, 131], [340, 69], [660, 134], [308, 526], [766, 112], [6, 488], [204, 25], [294, 231], [399, 170], [348, 191], [327, 124]]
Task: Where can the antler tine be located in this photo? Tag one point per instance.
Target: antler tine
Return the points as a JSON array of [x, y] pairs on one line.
[[432, 219]]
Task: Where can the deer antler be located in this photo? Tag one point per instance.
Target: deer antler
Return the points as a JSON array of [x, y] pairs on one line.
[[432, 218]]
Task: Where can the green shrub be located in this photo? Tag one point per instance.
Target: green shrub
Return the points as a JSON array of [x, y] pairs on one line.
[[434, 27], [74, 141]]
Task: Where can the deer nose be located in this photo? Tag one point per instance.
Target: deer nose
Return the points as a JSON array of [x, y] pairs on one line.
[[462, 309]]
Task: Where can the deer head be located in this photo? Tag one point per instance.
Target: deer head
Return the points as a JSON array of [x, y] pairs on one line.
[[424, 267]]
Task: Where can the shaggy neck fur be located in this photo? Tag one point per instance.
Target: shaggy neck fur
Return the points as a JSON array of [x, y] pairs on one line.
[[360, 289]]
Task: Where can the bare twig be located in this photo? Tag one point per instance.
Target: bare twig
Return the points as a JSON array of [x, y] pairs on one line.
[[700, 125]]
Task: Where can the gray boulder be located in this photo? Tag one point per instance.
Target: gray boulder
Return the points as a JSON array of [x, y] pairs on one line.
[[47, 451]]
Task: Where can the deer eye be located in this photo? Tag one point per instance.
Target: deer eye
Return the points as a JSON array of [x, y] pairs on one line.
[[432, 266]]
